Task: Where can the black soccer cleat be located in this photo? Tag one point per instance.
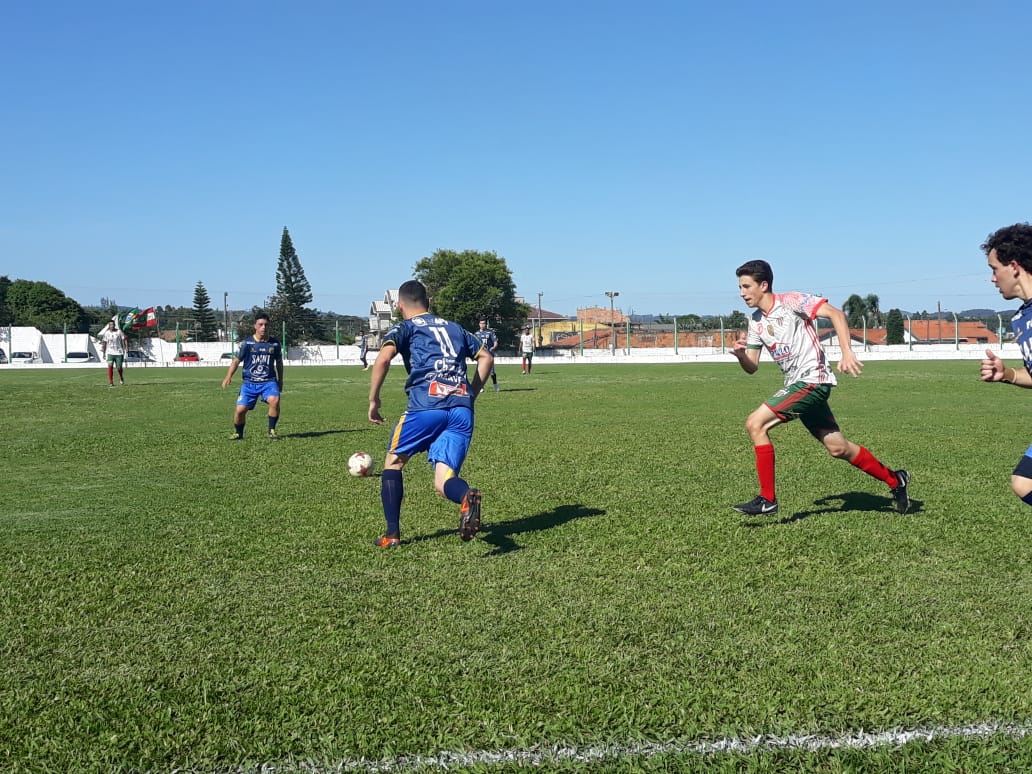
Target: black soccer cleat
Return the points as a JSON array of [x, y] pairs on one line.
[[759, 506], [469, 515], [900, 494]]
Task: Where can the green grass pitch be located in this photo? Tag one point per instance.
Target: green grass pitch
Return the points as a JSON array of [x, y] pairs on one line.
[[173, 601]]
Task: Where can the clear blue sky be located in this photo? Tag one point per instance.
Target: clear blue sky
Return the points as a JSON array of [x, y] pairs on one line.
[[644, 147]]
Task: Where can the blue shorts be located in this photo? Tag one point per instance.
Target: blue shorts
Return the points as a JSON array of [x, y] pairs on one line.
[[444, 434], [250, 392]]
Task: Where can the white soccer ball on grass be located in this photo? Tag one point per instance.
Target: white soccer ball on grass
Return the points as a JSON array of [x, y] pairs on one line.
[[360, 464]]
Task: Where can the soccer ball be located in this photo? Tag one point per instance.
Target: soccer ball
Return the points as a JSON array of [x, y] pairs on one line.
[[359, 464]]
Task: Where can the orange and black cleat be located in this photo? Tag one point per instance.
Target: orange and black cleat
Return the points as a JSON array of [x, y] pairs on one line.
[[469, 515], [386, 541]]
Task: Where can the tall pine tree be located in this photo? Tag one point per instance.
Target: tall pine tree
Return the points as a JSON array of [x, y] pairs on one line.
[[293, 292], [206, 326]]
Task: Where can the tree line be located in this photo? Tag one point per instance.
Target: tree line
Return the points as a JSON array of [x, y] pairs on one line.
[[464, 286]]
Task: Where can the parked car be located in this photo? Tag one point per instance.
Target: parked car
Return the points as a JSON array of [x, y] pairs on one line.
[[138, 356], [80, 357], [228, 355], [187, 356], [25, 357]]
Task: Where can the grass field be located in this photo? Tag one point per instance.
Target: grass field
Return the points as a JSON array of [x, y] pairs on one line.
[[173, 601]]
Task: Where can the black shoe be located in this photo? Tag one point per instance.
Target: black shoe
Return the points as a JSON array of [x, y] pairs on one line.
[[469, 515], [899, 494], [760, 506]]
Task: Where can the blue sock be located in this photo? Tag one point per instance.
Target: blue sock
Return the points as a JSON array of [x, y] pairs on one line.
[[392, 492], [1027, 499], [455, 489], [272, 422]]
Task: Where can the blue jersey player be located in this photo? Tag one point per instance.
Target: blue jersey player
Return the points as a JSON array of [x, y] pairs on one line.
[[439, 417], [1009, 251], [489, 340], [262, 359]]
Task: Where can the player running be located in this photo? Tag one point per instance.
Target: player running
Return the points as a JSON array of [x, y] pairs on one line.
[[439, 416], [489, 340], [1009, 252], [262, 357], [783, 323]]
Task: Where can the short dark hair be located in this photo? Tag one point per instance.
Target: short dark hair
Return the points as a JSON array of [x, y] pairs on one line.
[[414, 292], [261, 316], [758, 270], [1011, 243]]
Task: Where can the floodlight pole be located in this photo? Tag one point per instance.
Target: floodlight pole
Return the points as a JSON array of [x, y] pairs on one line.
[[541, 338], [612, 320]]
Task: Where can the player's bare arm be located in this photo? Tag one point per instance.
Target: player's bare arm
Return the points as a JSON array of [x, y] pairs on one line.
[[381, 366], [849, 363], [748, 359], [994, 370], [484, 362], [229, 372]]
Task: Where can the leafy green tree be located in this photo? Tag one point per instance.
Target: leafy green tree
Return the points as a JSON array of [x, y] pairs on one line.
[[206, 327], [894, 329], [293, 292], [856, 311], [41, 305], [875, 318], [465, 286], [689, 322], [6, 315], [737, 320]]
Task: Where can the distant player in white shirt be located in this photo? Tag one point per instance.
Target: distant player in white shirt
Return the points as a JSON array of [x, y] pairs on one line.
[[783, 324], [527, 350], [113, 346]]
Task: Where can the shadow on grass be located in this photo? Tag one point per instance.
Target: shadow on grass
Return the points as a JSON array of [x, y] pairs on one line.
[[320, 433], [842, 503], [500, 535]]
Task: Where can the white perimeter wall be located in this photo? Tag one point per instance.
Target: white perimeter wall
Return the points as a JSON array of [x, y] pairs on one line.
[[53, 346]]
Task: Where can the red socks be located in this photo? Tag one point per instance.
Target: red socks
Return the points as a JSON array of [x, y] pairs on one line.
[[765, 470], [870, 465]]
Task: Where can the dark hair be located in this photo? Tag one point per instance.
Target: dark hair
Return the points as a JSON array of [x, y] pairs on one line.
[[261, 316], [758, 270], [413, 292], [1011, 243]]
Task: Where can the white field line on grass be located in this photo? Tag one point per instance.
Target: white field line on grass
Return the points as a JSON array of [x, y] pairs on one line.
[[543, 756]]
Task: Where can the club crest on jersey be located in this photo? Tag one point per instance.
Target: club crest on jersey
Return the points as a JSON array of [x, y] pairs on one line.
[[418, 321], [770, 329]]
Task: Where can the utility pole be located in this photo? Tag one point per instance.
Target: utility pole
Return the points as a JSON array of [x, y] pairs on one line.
[[612, 320], [225, 312], [541, 338]]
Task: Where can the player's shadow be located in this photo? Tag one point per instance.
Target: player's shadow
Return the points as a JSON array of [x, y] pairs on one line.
[[320, 433], [516, 389], [846, 502], [499, 535]]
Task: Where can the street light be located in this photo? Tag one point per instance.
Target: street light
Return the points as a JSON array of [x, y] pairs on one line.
[[612, 319], [541, 338]]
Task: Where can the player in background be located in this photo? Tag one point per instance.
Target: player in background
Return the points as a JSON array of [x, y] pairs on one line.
[[527, 350], [262, 358], [783, 323], [113, 346], [439, 415], [489, 339], [363, 350], [1009, 252]]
